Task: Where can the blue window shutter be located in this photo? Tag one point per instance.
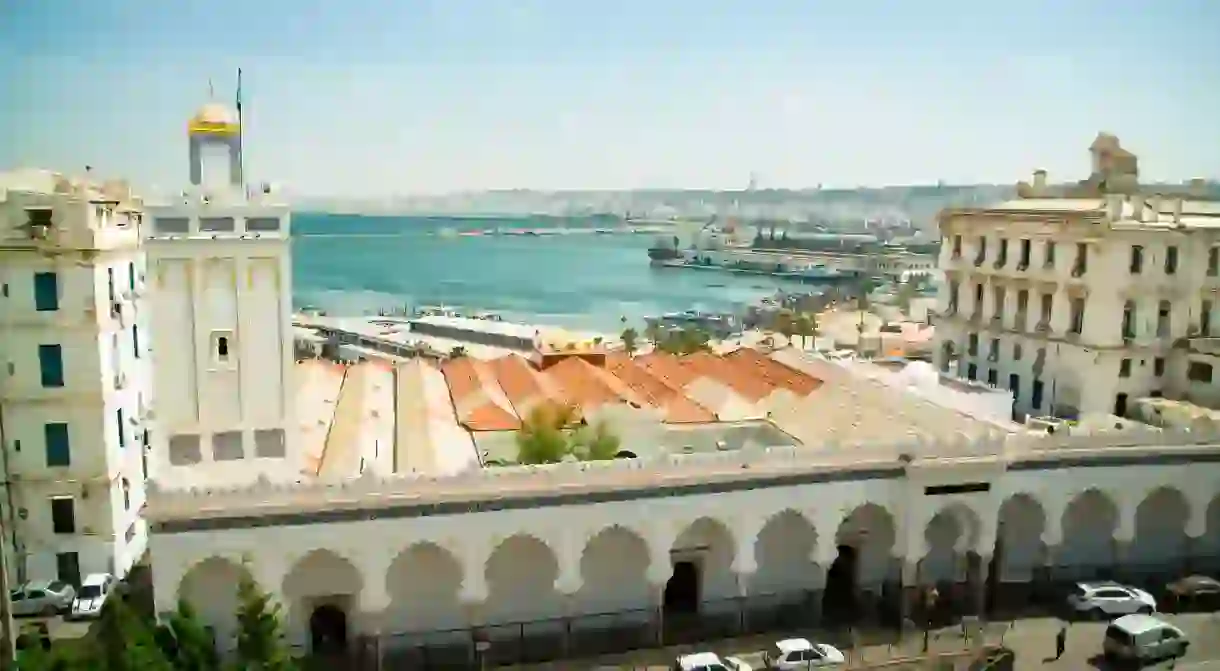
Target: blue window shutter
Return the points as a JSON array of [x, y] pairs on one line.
[[59, 446], [51, 365], [46, 292], [131, 276]]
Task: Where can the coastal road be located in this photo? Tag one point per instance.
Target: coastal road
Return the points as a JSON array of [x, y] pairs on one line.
[[1032, 639]]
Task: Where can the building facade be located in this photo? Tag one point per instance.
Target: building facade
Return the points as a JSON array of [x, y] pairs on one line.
[[219, 265], [1082, 303], [75, 392], [536, 551]]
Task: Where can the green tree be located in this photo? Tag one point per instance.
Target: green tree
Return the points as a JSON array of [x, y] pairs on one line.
[[260, 636], [653, 333], [631, 340], [594, 443], [127, 642], [785, 324], [806, 326], [187, 641], [542, 438]]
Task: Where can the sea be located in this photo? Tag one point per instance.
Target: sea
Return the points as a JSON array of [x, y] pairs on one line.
[[350, 265]]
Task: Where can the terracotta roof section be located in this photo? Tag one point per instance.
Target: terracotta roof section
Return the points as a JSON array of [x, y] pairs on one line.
[[524, 386], [667, 367], [741, 379], [478, 400], [775, 372], [679, 409], [581, 384]]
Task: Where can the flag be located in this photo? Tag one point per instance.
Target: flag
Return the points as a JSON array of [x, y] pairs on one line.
[[239, 90]]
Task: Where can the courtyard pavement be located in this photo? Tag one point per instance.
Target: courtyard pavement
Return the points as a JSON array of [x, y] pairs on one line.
[[1033, 641]]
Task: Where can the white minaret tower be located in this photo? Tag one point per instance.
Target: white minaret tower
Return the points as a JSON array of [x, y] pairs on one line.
[[220, 268]]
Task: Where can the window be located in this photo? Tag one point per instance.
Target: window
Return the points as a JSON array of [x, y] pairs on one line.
[[1162, 319], [126, 494], [993, 350], [1137, 259], [172, 224], [1077, 326], [1213, 261], [1205, 319], [1158, 366], [59, 444], [216, 224], [1023, 260], [1171, 260], [46, 292], [1014, 385], [972, 344], [1199, 372], [122, 432], [957, 246], [1047, 309], [1016, 351], [1036, 395], [1049, 258], [1081, 266], [131, 276], [993, 377], [954, 289], [222, 348], [972, 372], [981, 255], [110, 283], [135, 341], [51, 365], [266, 224], [1002, 256], [63, 515], [1124, 368], [1128, 327]]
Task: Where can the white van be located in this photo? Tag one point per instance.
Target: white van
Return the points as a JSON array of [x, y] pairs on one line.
[[1143, 638]]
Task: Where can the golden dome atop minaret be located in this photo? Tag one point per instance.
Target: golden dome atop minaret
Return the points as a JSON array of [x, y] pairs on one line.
[[214, 119]]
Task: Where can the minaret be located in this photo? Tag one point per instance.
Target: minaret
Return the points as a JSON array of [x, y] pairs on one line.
[[220, 261], [213, 132]]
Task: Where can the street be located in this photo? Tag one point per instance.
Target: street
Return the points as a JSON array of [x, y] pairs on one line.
[[1033, 640]]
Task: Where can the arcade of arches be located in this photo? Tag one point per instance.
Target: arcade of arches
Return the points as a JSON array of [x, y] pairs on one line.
[[844, 572]]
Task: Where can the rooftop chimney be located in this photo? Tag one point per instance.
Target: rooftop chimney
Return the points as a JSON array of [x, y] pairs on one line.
[[1137, 207], [1177, 210], [1114, 206], [1154, 203]]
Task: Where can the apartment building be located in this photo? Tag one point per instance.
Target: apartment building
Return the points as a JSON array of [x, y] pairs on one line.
[[74, 376], [1085, 299]]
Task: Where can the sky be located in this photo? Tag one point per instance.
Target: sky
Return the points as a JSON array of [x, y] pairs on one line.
[[359, 98]]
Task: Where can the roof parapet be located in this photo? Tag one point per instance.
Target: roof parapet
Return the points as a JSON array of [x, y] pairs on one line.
[[373, 490]]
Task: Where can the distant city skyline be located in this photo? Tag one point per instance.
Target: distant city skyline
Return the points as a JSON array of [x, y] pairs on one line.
[[379, 98]]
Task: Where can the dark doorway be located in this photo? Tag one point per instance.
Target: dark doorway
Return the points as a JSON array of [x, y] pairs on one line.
[[328, 630], [991, 602], [67, 567], [839, 599], [682, 590]]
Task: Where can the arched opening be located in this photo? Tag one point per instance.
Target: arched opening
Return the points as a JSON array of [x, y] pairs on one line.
[[951, 565], [1087, 549], [614, 572], [321, 579], [682, 590], [1208, 548], [1160, 544], [521, 575], [1019, 555], [210, 587], [625, 454], [328, 630], [863, 565], [702, 558], [423, 583], [783, 553]]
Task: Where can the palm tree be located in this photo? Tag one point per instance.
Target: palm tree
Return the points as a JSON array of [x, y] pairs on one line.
[[630, 340], [785, 325], [806, 326]]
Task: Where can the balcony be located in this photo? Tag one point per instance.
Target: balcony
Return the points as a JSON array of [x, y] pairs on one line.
[[979, 260], [1043, 326], [1079, 270]]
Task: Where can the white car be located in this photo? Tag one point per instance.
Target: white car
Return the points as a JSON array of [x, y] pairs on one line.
[[709, 661], [92, 596], [799, 653], [1109, 599]]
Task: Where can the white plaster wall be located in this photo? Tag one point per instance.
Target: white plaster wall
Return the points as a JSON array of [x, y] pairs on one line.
[[629, 570]]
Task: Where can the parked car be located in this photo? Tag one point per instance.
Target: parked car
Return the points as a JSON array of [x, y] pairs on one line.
[[1143, 638], [94, 591], [799, 653], [709, 661], [1194, 591], [1109, 599], [42, 597]]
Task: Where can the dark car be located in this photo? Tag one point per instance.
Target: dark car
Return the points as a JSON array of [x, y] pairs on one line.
[[1194, 592]]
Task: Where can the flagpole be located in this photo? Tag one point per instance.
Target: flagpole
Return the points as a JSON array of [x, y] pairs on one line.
[[241, 132]]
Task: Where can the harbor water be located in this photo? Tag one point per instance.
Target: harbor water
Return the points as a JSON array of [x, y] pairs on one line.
[[352, 265]]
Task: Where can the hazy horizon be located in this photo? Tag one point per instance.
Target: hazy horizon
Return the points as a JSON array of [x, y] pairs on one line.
[[381, 99]]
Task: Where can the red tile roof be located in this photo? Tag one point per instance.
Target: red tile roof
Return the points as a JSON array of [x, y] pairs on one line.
[[494, 395]]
